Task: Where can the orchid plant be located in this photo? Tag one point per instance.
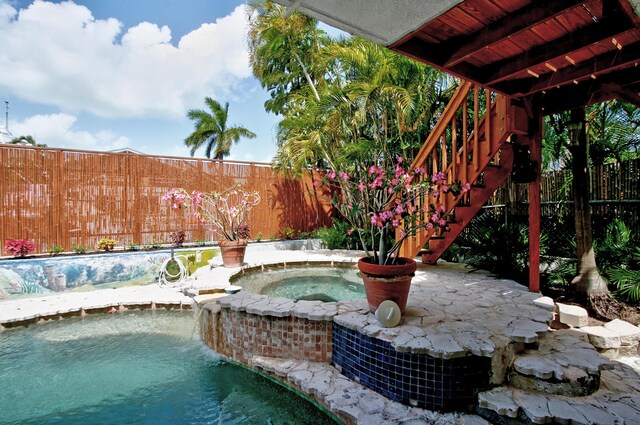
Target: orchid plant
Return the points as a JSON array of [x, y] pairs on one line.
[[226, 211], [388, 200]]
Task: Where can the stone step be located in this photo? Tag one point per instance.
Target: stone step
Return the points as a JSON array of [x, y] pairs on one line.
[[349, 400], [572, 315], [614, 338], [562, 364], [616, 402]]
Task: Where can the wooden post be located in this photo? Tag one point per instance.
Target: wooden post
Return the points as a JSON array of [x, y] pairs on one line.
[[535, 147]]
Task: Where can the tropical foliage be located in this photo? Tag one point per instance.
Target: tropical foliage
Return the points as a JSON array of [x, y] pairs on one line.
[[213, 131], [613, 130], [341, 101]]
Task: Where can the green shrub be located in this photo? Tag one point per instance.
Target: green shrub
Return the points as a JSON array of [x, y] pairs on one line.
[[614, 250], [332, 238], [106, 244], [288, 233], [132, 246], [338, 236], [79, 249], [626, 278], [55, 250], [502, 249]]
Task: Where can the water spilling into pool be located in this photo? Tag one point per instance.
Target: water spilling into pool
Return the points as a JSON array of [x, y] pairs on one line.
[[134, 368], [322, 283]]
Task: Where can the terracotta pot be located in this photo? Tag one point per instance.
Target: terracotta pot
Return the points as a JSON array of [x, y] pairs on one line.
[[388, 282], [232, 252]]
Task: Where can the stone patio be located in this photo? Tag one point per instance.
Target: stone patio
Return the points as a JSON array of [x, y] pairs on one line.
[[453, 311]]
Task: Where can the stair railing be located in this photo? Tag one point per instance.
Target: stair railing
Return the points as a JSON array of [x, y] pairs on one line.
[[463, 142]]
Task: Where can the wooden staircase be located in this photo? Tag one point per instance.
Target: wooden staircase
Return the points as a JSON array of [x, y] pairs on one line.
[[468, 145]]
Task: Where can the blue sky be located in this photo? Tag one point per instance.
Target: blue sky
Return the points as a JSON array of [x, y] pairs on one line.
[[102, 75]]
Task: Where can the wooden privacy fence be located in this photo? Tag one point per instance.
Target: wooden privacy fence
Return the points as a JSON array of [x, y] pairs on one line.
[[71, 197]]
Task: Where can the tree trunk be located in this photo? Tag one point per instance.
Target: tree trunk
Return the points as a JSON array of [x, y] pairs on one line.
[[588, 281], [590, 286]]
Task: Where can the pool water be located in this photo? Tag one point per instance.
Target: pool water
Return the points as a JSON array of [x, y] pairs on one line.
[[134, 368], [322, 283]]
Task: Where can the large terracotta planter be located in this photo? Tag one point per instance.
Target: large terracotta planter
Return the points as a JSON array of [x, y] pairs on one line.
[[389, 282], [232, 252]]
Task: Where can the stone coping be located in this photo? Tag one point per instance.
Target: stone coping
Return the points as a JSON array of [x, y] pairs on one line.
[[264, 305], [351, 401], [216, 277], [29, 310]]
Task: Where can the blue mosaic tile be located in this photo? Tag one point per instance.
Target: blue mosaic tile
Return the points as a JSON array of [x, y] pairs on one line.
[[413, 379]]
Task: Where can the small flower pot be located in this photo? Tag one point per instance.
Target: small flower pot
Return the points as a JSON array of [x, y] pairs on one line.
[[387, 282], [232, 252]]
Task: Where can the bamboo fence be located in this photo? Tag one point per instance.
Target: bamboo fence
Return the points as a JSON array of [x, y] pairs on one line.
[[614, 193], [72, 197]]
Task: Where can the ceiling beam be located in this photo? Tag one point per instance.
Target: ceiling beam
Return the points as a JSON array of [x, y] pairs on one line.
[[521, 20], [599, 65], [598, 32], [429, 53], [628, 94], [589, 92]]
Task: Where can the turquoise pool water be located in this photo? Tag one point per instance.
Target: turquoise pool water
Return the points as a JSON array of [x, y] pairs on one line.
[[322, 283], [133, 368]]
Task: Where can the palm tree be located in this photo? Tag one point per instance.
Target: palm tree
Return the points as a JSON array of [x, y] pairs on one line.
[[283, 49], [26, 140], [211, 129]]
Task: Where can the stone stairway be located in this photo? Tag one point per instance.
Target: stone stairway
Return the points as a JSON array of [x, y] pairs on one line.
[[563, 377], [561, 365]]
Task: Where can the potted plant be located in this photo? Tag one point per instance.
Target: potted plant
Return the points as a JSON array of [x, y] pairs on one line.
[[226, 212], [382, 203]]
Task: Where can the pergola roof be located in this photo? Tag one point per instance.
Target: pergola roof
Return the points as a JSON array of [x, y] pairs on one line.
[[562, 53]]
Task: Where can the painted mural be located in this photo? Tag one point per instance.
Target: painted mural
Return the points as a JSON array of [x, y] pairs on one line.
[[77, 273]]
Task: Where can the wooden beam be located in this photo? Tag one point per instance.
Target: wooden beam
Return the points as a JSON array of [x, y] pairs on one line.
[[628, 94], [432, 55], [599, 65], [598, 32], [521, 20], [587, 93]]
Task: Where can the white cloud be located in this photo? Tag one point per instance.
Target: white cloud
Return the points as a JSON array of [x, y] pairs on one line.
[[58, 54], [59, 130]]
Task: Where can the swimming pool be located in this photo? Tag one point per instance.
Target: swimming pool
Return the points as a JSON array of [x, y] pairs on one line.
[[136, 368], [321, 283]]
